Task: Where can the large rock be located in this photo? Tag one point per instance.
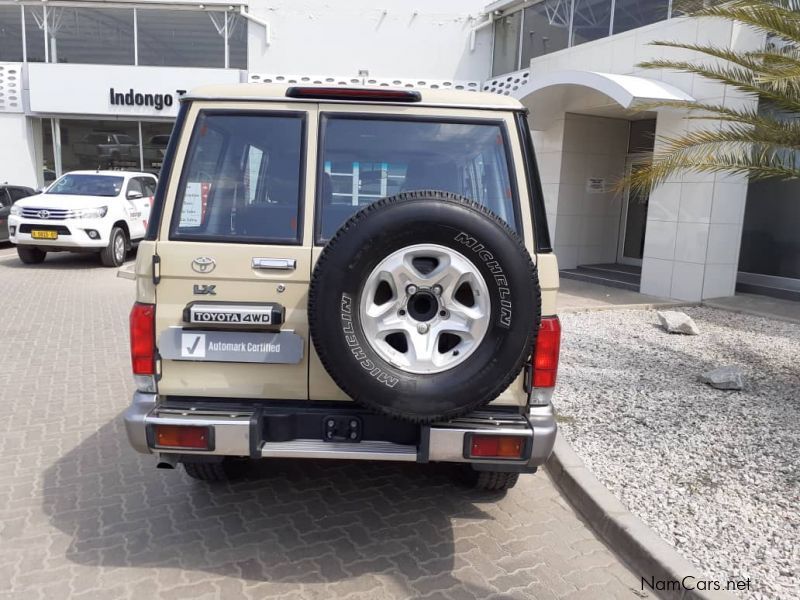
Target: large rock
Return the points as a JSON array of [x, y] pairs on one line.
[[724, 378], [674, 321]]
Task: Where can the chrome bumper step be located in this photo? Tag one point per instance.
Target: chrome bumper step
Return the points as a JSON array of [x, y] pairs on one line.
[[364, 450]]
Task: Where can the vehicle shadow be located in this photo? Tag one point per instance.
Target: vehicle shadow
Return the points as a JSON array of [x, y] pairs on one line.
[[60, 261], [293, 522]]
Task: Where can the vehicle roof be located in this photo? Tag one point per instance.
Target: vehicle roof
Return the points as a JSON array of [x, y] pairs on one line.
[[114, 173], [438, 97]]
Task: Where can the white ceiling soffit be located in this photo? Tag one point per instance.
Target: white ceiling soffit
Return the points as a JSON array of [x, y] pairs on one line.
[[591, 92]]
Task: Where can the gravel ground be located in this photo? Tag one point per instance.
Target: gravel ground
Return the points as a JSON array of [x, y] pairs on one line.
[[715, 473]]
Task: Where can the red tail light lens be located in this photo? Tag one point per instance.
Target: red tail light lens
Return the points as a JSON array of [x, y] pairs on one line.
[[143, 339], [180, 436], [545, 357], [496, 446]]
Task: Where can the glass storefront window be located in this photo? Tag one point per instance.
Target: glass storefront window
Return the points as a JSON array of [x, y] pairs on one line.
[[48, 160], [237, 41], [506, 43], [99, 145], [630, 14], [545, 29], [180, 38], [591, 20], [155, 137], [770, 242], [34, 33], [10, 33], [102, 36]]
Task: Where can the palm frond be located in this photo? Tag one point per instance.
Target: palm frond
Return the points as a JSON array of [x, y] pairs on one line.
[[753, 163], [778, 17], [738, 77]]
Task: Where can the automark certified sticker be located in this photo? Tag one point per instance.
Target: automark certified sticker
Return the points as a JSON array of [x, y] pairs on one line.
[[285, 347]]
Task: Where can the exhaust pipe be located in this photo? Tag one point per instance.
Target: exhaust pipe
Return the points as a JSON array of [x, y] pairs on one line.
[[166, 461]]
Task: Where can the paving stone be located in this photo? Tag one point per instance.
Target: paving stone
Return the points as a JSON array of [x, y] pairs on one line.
[[83, 516]]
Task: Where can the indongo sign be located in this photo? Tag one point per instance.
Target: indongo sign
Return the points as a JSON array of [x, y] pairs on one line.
[[134, 98], [116, 90]]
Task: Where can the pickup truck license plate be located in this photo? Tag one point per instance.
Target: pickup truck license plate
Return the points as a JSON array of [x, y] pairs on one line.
[[39, 234]]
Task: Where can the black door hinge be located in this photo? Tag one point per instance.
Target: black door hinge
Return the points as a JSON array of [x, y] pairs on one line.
[[156, 269]]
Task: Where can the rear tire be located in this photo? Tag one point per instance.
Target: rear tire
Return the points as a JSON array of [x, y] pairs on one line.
[[226, 470], [491, 481], [113, 255], [31, 255]]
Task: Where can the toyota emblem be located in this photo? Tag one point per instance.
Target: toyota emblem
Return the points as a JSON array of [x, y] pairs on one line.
[[43, 214], [203, 264]]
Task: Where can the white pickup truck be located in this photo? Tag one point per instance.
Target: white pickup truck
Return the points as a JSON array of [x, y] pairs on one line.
[[84, 211]]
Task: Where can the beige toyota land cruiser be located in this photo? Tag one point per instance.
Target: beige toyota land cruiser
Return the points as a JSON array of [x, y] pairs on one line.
[[346, 273]]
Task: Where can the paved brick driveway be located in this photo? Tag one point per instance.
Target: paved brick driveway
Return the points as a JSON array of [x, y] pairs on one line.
[[83, 516]]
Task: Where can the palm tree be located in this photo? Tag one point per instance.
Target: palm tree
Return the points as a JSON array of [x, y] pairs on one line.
[[760, 142]]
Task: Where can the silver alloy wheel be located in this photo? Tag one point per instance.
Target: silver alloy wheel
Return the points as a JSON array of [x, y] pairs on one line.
[[425, 308], [119, 247]]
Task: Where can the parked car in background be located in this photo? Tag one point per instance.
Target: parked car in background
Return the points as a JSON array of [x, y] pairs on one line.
[[154, 150], [84, 211], [9, 194], [107, 149]]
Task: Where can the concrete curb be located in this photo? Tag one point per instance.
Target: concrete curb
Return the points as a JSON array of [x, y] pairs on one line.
[[642, 306], [627, 535], [751, 311]]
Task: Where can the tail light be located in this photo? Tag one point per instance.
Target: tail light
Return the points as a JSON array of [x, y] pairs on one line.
[[545, 356], [143, 345], [182, 436], [497, 446]]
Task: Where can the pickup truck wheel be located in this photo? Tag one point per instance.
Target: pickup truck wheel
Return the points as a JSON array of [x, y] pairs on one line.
[[424, 306], [226, 470], [113, 255], [31, 255], [492, 481]]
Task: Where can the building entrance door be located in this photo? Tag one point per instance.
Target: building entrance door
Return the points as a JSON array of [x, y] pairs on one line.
[[633, 220]]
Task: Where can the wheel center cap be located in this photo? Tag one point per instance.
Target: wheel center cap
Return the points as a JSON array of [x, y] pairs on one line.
[[422, 306]]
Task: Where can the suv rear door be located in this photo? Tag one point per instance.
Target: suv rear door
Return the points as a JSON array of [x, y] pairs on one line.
[[234, 234]]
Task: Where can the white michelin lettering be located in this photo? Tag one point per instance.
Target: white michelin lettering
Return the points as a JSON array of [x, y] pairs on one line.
[[346, 315], [497, 272]]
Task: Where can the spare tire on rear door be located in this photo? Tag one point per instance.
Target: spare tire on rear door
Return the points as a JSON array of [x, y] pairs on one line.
[[424, 306]]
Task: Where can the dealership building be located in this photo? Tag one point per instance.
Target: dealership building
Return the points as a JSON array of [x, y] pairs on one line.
[[97, 85]]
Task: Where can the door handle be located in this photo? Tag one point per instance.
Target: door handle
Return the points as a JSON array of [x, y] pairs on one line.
[[276, 264]]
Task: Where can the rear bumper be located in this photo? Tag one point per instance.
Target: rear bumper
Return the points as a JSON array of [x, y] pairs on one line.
[[261, 432]]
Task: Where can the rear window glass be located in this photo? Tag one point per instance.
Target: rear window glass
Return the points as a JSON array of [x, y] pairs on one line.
[[242, 180], [364, 160]]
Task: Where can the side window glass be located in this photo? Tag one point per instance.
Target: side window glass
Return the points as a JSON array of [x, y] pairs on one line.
[[149, 185], [134, 185], [17, 194], [4, 198]]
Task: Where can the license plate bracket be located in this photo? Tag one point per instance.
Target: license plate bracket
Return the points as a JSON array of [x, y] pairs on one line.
[[342, 428]]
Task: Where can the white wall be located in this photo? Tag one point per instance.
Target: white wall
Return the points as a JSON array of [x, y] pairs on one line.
[[694, 223], [17, 151], [393, 38], [584, 225]]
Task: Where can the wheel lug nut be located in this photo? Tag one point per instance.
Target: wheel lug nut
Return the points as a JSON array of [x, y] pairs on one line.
[[401, 312], [422, 328], [411, 290], [442, 313], [437, 290]]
